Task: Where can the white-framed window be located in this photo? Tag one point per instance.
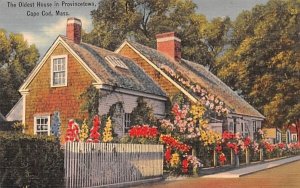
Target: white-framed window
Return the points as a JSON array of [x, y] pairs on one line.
[[254, 126], [127, 121], [42, 125], [59, 70]]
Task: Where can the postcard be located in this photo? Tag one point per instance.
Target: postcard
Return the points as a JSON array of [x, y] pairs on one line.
[[146, 93]]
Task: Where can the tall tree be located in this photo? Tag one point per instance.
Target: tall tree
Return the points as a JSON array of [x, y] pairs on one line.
[[141, 20], [17, 59], [263, 60]]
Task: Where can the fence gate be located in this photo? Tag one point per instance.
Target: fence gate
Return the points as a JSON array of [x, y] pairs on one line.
[[98, 164]]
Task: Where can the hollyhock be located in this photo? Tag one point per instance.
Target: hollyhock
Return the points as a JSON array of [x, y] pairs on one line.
[[107, 134], [94, 134], [174, 159], [185, 165], [168, 154], [72, 133]]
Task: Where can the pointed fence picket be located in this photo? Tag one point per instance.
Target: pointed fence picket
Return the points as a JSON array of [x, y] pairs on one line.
[[100, 164]]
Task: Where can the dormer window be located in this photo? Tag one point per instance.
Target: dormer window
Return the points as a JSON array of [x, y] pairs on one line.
[[59, 71], [116, 62]]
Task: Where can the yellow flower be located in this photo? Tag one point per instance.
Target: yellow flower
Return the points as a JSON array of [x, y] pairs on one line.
[[197, 110], [84, 131], [174, 160], [107, 134]]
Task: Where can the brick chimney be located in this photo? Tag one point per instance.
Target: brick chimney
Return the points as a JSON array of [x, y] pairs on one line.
[[74, 30], [169, 44]]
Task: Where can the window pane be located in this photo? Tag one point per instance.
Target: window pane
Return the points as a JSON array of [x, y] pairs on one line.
[[63, 65], [45, 127], [59, 78]]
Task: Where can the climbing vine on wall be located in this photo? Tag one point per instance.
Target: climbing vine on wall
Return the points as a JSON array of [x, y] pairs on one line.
[[142, 113], [91, 98]]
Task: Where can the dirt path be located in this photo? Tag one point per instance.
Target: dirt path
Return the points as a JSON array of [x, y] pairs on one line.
[[285, 176]]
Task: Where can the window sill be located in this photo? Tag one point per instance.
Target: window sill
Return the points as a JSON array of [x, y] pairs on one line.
[[65, 85]]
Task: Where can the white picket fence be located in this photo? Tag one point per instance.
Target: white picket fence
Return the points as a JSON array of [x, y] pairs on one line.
[[102, 164]]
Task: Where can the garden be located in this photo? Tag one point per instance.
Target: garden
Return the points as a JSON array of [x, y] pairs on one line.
[[189, 144]]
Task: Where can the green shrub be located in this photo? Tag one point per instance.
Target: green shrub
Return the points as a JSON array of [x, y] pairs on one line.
[[8, 126], [30, 161]]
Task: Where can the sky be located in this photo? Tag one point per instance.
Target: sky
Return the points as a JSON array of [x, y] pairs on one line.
[[39, 28]]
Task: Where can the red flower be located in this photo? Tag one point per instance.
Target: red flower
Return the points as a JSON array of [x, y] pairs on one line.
[[72, 133], [95, 135], [173, 143], [144, 131], [227, 135], [175, 109], [247, 142], [185, 165], [218, 148], [168, 154], [222, 158], [281, 145], [233, 146]]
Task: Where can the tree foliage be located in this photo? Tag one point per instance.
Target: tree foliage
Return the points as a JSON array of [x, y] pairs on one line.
[[141, 20], [17, 59], [263, 60]]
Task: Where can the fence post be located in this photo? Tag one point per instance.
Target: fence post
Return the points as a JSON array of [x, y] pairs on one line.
[[261, 154], [231, 157], [215, 158], [195, 170], [237, 160], [247, 156]]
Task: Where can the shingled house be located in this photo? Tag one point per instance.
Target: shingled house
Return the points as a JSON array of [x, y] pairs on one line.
[[165, 65], [132, 71], [65, 72]]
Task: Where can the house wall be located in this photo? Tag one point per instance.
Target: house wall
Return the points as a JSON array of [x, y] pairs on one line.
[[250, 125], [129, 103], [165, 84], [44, 99]]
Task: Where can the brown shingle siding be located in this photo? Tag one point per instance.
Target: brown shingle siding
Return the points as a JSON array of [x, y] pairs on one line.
[[43, 98], [166, 85]]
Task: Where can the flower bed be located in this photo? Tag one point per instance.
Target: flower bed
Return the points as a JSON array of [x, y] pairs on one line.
[[188, 142]]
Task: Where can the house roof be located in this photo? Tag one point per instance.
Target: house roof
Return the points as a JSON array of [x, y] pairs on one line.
[[16, 113], [200, 75], [93, 58], [292, 128], [2, 118], [133, 78]]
